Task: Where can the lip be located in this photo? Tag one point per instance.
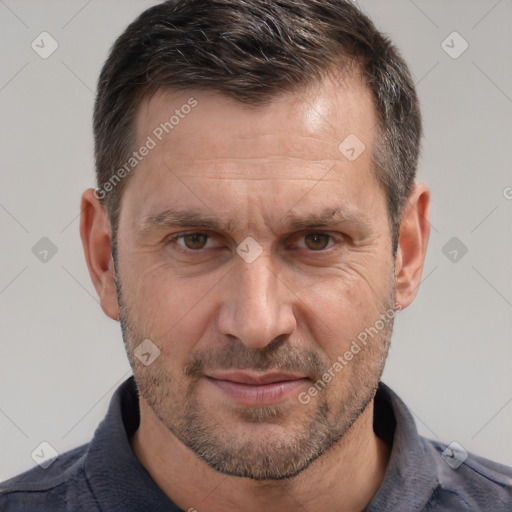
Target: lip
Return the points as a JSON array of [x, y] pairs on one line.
[[257, 389], [241, 377]]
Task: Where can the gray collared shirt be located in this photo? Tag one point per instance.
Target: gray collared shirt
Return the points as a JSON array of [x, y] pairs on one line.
[[104, 475]]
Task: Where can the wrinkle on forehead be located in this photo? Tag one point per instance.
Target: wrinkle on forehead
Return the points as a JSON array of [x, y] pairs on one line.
[[315, 120]]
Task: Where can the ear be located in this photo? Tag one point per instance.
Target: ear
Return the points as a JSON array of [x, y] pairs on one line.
[[96, 235], [412, 244]]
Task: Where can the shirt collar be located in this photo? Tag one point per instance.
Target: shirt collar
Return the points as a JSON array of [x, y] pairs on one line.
[[411, 475], [117, 479]]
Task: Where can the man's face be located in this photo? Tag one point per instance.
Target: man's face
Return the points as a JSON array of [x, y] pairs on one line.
[[252, 306]]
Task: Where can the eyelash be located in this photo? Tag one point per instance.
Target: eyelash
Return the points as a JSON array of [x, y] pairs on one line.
[[334, 241]]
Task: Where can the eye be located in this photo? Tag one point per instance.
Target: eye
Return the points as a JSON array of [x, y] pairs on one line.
[[316, 241], [194, 241]]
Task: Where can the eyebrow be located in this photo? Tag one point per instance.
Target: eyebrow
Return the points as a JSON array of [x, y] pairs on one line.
[[181, 218], [327, 217], [172, 218]]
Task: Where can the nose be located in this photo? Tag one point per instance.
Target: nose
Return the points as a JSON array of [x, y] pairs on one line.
[[257, 306]]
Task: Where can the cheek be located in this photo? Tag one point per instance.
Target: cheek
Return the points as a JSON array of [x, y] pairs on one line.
[[337, 308], [168, 309]]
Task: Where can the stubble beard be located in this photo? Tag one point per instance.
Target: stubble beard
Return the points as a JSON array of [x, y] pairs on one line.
[[287, 445]]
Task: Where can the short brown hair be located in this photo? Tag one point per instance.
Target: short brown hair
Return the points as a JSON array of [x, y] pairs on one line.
[[251, 50]]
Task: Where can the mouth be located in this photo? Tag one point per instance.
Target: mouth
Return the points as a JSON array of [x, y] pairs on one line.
[[257, 389]]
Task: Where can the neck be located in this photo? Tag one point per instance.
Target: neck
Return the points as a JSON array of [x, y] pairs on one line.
[[345, 478]]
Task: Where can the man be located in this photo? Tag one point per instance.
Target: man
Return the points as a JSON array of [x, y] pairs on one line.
[[256, 227]]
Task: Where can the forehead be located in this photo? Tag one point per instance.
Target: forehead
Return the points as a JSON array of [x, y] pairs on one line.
[[214, 154], [308, 123]]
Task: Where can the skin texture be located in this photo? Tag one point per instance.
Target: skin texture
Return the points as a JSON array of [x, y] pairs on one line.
[[296, 308]]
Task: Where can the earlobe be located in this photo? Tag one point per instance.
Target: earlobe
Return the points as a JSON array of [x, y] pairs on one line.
[[412, 244], [97, 244]]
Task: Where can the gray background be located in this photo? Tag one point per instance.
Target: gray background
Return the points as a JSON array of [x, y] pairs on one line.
[[61, 357]]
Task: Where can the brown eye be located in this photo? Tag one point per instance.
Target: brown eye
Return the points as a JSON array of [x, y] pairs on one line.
[[316, 241], [195, 241]]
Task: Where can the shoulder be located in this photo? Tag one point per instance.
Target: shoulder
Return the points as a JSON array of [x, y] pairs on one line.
[[468, 481], [46, 489]]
